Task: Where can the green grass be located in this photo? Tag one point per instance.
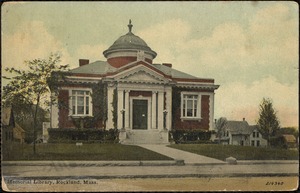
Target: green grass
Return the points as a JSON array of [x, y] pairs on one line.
[[239, 152], [85, 152]]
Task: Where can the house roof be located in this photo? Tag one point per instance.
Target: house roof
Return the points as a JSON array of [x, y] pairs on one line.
[[102, 68], [173, 72], [129, 41], [19, 128], [122, 49], [238, 127], [289, 138], [97, 67], [253, 127]]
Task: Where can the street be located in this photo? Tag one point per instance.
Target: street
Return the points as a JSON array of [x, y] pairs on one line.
[[129, 178]]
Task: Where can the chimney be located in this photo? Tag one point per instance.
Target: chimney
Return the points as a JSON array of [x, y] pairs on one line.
[[244, 119], [83, 62], [167, 64]]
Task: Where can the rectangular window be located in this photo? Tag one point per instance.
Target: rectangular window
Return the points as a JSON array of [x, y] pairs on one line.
[[252, 143], [81, 101], [190, 106], [257, 143], [253, 134], [257, 134]]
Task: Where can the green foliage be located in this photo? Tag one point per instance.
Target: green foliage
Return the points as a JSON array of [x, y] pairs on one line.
[[99, 99], [71, 135], [268, 121], [288, 130], [24, 116], [30, 88], [85, 122], [219, 125], [115, 108], [277, 142], [190, 136]]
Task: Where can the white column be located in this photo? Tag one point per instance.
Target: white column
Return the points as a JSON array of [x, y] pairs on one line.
[[120, 109], [126, 109], [211, 111], [160, 112], [110, 94], [169, 109], [153, 110], [54, 112]]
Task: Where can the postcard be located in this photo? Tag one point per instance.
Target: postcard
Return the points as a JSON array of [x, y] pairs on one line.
[[150, 96]]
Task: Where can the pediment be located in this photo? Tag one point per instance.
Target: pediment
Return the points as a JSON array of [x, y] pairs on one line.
[[141, 74]]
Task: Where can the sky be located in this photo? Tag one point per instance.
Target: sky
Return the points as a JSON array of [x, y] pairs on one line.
[[249, 48]]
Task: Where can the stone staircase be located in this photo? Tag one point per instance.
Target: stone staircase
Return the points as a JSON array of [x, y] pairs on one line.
[[144, 137]]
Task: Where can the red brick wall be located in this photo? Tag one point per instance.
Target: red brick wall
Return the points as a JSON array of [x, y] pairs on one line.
[[64, 121], [117, 62], [194, 124], [138, 93]]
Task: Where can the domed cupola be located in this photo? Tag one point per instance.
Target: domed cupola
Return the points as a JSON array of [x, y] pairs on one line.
[[128, 48]]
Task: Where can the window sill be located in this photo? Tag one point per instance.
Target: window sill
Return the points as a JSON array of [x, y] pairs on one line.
[[190, 118], [80, 116]]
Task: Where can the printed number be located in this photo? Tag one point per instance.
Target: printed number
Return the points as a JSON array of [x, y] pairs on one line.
[[274, 183]]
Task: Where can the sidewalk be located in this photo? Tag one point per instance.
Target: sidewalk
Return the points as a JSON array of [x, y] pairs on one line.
[[189, 158]]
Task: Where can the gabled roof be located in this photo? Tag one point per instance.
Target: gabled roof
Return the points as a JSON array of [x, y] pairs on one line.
[[238, 127], [289, 138], [254, 127], [98, 67], [140, 74], [103, 69], [19, 128], [173, 72]]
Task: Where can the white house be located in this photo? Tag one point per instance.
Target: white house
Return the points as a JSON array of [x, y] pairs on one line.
[[241, 133]]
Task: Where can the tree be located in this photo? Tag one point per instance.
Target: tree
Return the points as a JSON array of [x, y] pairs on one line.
[[288, 130], [219, 126], [268, 122], [24, 116], [31, 88]]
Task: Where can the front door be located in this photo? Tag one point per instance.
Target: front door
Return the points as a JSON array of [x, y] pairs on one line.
[[139, 114]]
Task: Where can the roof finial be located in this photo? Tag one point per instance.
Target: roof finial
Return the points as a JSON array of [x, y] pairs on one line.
[[130, 25]]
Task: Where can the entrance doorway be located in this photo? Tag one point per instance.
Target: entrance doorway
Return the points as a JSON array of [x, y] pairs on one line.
[[139, 114]]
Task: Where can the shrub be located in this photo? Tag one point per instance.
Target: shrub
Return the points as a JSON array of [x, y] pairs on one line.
[[71, 135], [278, 142], [190, 136]]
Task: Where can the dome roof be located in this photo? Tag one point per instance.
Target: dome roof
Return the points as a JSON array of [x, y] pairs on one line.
[[128, 42]]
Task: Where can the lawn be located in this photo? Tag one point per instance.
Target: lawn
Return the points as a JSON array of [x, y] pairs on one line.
[[92, 151], [239, 152]]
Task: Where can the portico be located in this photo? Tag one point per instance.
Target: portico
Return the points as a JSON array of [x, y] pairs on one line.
[[142, 108]]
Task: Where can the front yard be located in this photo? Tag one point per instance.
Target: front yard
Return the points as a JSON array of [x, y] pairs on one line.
[[91, 151], [221, 152], [96, 151]]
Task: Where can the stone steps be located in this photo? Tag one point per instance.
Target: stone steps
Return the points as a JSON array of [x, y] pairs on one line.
[[146, 137]]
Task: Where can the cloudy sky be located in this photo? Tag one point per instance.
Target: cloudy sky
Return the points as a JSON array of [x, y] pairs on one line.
[[249, 48]]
